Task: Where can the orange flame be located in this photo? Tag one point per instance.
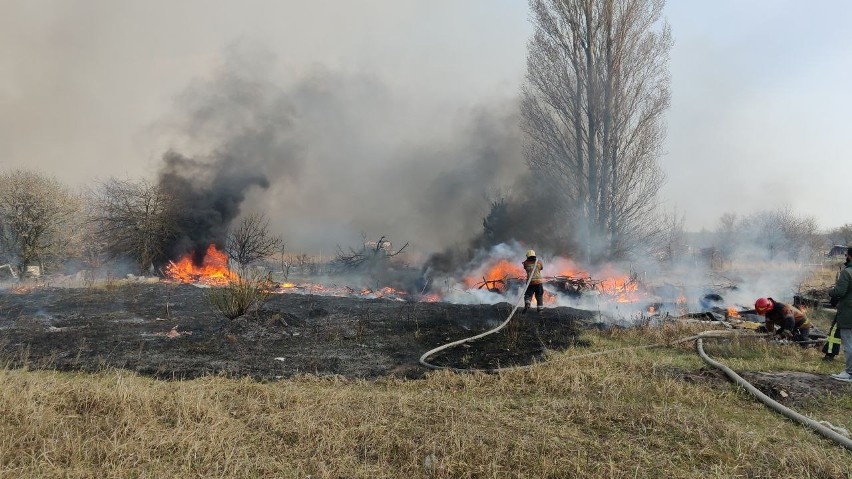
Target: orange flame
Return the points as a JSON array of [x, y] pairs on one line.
[[621, 287], [566, 267], [430, 298], [213, 270], [500, 270], [732, 312]]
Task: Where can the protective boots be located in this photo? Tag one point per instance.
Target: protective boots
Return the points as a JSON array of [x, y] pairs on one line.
[[526, 307]]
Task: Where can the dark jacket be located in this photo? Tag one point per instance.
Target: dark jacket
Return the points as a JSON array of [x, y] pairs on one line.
[[842, 293], [785, 317]]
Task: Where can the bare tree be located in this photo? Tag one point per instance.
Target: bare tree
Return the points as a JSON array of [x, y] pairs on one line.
[[36, 217], [726, 235], [597, 87], [841, 235], [673, 236], [134, 219], [776, 234], [250, 240], [286, 261]]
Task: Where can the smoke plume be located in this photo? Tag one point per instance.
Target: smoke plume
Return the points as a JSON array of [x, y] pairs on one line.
[[325, 157]]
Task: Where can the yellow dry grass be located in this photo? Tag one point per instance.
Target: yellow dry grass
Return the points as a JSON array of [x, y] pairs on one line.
[[822, 276], [622, 415]]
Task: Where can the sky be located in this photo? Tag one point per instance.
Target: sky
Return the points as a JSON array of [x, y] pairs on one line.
[[100, 88]]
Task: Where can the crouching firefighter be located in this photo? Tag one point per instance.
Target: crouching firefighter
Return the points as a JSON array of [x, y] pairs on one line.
[[792, 323], [533, 268]]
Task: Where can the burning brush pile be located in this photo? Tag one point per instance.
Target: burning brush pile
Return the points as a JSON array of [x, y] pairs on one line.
[[499, 276], [567, 285], [214, 269], [492, 277]]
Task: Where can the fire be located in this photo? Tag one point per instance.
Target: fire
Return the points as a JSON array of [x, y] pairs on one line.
[[430, 298], [566, 267], [500, 270], [213, 270], [621, 287], [732, 312]]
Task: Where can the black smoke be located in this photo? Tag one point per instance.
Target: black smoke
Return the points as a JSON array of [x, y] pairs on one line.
[[207, 198], [328, 156]]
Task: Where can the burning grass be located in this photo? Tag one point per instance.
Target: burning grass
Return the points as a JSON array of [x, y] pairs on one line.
[[623, 415]]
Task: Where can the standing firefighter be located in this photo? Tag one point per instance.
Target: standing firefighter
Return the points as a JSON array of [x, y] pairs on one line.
[[841, 295], [792, 323], [533, 268]]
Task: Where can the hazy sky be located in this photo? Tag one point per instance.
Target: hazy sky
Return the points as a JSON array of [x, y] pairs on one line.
[[760, 89]]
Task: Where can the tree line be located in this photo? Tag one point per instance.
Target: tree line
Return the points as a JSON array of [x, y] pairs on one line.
[[45, 223]]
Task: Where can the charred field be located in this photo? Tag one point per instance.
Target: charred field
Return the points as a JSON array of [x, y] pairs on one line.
[[170, 331]]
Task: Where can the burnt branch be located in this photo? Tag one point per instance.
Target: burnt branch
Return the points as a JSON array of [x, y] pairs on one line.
[[371, 254]]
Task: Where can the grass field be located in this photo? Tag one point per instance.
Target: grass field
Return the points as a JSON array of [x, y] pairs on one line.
[[631, 414]]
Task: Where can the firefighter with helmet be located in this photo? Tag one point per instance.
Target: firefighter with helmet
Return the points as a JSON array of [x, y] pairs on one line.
[[533, 268], [791, 322]]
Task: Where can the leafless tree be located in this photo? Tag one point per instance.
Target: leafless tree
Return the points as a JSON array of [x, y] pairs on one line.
[[726, 235], [597, 87], [134, 219], [250, 240], [37, 214], [673, 236], [286, 261], [776, 234], [841, 235], [305, 263]]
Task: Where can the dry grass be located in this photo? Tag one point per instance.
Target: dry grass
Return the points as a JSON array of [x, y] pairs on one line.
[[621, 415], [822, 276], [241, 296]]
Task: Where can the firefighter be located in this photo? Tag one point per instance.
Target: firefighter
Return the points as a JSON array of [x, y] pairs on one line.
[[792, 323], [841, 296], [533, 268]]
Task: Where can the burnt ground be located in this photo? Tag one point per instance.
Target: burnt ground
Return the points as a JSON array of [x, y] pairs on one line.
[[168, 330]]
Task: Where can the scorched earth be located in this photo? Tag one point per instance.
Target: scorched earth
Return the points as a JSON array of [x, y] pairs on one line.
[[169, 330]]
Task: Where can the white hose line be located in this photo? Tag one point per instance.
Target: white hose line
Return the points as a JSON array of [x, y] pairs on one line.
[[473, 338], [838, 438]]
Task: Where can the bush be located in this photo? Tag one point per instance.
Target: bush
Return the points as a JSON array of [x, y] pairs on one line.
[[239, 297]]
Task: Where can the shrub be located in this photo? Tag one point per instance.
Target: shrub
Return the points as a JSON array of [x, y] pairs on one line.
[[239, 297]]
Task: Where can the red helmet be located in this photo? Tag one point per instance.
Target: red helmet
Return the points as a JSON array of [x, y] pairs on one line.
[[763, 305]]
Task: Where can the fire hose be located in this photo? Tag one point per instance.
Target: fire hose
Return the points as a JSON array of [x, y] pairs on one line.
[[474, 338], [699, 338], [774, 405]]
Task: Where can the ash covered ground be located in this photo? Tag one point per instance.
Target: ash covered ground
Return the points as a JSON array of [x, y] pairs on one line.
[[169, 330]]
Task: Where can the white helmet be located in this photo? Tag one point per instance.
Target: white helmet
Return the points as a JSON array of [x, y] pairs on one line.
[[530, 253]]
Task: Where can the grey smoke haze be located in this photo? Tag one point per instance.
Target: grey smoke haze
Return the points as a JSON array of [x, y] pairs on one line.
[[324, 156], [760, 92]]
